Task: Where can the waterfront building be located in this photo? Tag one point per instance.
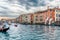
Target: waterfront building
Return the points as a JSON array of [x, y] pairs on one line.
[[39, 17], [26, 18], [20, 19], [31, 18], [48, 16], [57, 16]]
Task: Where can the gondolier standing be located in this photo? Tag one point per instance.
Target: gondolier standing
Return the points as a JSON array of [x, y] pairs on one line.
[[5, 25]]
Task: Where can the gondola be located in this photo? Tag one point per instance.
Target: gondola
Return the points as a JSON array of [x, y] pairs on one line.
[[4, 29]]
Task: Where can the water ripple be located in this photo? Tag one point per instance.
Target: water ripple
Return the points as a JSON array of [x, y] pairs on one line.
[[31, 32]]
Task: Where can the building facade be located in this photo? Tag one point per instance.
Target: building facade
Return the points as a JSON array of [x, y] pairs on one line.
[[57, 16], [20, 19], [50, 16], [44, 16], [41, 17], [26, 18]]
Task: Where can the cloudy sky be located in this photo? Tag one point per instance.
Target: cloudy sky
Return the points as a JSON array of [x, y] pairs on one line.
[[14, 8]]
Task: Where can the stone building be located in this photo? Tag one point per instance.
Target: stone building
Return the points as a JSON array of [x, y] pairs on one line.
[[26, 18], [50, 15], [39, 17]]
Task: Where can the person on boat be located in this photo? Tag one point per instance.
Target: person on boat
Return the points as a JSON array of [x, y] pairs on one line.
[[1, 28], [4, 28], [5, 25], [1, 25]]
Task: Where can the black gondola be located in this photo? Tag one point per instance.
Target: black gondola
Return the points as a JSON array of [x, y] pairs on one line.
[[4, 29]]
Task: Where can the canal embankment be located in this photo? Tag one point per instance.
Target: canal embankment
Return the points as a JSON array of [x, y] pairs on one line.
[[53, 24]]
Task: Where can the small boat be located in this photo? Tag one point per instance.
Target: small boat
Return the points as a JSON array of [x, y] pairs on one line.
[[4, 29], [15, 25]]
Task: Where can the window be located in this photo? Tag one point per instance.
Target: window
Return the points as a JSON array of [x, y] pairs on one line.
[[41, 16], [56, 19], [36, 19], [59, 19], [59, 15], [36, 16], [26, 16], [56, 15], [41, 19]]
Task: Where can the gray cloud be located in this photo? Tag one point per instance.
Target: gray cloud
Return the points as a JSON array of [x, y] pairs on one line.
[[13, 8]]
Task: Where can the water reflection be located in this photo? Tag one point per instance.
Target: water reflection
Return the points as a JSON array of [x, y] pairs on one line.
[[31, 32], [4, 36], [51, 32], [44, 32]]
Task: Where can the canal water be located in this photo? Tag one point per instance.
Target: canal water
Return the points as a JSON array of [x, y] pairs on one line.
[[31, 32]]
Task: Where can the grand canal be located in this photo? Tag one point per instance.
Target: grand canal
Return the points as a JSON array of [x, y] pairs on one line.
[[31, 32]]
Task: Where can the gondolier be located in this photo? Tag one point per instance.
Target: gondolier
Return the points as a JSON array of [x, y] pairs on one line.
[[4, 27]]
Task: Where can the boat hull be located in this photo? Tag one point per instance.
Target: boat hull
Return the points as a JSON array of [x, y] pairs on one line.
[[4, 29]]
